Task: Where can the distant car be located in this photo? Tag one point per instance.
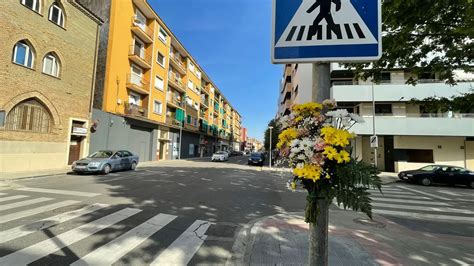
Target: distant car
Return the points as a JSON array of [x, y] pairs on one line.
[[443, 174], [220, 156], [106, 161], [256, 158], [236, 153]]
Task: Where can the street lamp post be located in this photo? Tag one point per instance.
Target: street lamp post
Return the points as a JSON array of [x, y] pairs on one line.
[[270, 148], [180, 139]]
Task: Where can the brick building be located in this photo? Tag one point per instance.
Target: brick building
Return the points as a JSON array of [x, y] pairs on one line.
[[47, 72]]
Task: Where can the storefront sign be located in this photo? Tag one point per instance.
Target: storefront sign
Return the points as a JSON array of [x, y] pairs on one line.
[[79, 131]]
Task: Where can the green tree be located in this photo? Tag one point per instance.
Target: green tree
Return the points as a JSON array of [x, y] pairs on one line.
[[424, 36], [275, 132]]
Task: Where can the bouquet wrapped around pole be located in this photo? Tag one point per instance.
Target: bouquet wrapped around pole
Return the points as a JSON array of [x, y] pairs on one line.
[[316, 143]]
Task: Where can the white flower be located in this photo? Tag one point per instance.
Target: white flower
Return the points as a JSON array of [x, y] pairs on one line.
[[346, 122], [301, 157], [306, 142], [357, 118], [339, 113]]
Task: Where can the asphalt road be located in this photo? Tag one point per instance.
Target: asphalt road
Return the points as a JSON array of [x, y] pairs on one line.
[[181, 212]]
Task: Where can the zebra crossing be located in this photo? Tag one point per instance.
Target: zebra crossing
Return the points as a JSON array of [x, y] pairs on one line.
[[16, 209], [411, 203]]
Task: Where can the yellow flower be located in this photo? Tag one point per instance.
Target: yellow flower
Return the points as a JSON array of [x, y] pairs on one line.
[[336, 137], [307, 109], [328, 176], [344, 157], [286, 137], [308, 171], [330, 152], [293, 185]]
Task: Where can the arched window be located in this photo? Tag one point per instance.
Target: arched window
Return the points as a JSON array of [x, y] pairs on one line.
[[56, 14], [51, 65], [32, 4], [23, 54], [29, 115]]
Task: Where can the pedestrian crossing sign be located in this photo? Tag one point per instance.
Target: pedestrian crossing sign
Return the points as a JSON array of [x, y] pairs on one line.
[[326, 31]]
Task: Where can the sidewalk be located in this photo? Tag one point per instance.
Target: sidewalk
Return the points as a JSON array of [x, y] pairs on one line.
[[353, 240]]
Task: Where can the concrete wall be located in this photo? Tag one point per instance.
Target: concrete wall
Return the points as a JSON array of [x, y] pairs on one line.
[[116, 132], [469, 150]]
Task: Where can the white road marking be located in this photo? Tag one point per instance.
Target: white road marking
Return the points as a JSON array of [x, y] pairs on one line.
[[423, 208], [426, 216], [460, 262], [46, 247], [23, 203], [114, 250], [424, 193], [392, 193], [413, 201], [380, 196], [182, 250], [2, 194], [57, 191], [12, 198], [26, 213], [386, 189], [23, 230]]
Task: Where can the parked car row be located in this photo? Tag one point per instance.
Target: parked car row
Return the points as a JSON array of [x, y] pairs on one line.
[[443, 174], [222, 156]]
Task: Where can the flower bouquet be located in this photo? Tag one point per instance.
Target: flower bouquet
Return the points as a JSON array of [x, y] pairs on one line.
[[316, 144]]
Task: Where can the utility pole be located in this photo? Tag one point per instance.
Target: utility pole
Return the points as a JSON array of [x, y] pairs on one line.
[[180, 138], [373, 125], [270, 148]]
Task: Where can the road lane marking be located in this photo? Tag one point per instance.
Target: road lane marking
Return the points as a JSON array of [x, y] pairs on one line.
[[422, 208], [413, 201], [25, 230], [380, 196], [46, 247], [23, 203], [426, 215], [12, 198], [424, 193], [26, 213], [182, 250], [58, 191], [392, 193], [114, 250], [386, 189], [3, 194]]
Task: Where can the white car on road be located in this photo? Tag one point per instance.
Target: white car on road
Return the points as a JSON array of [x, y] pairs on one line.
[[220, 156]]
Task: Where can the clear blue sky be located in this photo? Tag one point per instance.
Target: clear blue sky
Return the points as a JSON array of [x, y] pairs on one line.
[[230, 39]]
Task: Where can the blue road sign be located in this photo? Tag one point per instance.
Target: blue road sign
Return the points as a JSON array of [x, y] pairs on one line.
[[326, 31]]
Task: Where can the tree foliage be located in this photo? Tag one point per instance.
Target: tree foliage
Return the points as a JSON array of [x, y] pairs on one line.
[[424, 36], [463, 103], [275, 132]]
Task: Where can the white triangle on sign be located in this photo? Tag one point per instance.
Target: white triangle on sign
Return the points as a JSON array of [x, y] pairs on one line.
[[350, 28]]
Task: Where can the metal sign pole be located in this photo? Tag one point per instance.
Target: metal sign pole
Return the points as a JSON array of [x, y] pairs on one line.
[[373, 125]]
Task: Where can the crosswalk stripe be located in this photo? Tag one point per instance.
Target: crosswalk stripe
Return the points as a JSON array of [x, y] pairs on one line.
[[425, 215], [380, 196], [46, 247], [393, 192], [58, 191], [422, 208], [23, 203], [3, 194], [114, 250], [414, 201], [13, 198], [424, 193], [181, 251], [386, 189], [23, 230], [26, 213]]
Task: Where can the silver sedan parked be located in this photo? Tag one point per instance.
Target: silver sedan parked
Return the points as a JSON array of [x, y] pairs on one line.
[[105, 162]]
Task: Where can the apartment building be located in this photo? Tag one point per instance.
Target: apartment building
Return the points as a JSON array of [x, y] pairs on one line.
[[409, 136], [152, 96], [295, 87], [47, 69]]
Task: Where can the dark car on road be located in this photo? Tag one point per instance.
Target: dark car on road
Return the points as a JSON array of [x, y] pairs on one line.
[[105, 162], [443, 174], [256, 158]]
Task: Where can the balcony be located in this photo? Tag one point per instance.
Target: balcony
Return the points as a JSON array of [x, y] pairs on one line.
[[139, 57], [174, 102], [205, 89], [135, 110], [459, 125], [176, 82], [172, 121], [343, 92], [204, 102], [143, 32], [137, 84], [177, 62]]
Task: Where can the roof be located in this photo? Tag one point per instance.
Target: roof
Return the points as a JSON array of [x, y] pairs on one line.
[[86, 11]]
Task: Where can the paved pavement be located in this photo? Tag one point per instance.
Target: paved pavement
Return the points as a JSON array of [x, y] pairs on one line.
[[199, 212]]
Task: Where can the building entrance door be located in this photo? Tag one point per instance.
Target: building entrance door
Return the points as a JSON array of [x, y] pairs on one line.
[[74, 149], [389, 156]]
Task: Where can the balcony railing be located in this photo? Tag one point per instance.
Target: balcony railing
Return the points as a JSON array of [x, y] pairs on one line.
[[144, 32], [132, 109], [138, 84], [140, 56], [172, 121], [176, 81], [178, 62], [205, 89]]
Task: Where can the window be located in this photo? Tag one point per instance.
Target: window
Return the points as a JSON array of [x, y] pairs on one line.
[[414, 155], [56, 15], [51, 65], [32, 4], [139, 48], [383, 108], [159, 84], [191, 66], [23, 54], [134, 99], [190, 85], [385, 77], [162, 35], [140, 20], [157, 107], [198, 74], [161, 59], [29, 115]]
